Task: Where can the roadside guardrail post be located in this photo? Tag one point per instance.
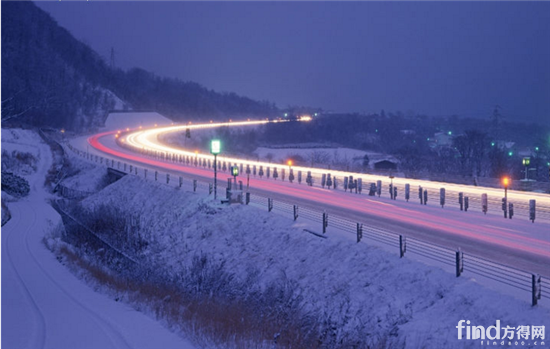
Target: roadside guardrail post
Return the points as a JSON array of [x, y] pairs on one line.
[[425, 196], [325, 222], [156, 175], [210, 188], [407, 192], [194, 185], [461, 200], [295, 212], [442, 197], [180, 181], [402, 246], [532, 210], [459, 262], [359, 232], [484, 202], [269, 204], [536, 289], [247, 198], [167, 178], [420, 195]]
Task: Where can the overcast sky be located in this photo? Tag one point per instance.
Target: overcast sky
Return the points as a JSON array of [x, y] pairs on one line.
[[436, 58]]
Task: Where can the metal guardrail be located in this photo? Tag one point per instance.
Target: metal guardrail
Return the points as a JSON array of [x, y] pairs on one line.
[[463, 262]]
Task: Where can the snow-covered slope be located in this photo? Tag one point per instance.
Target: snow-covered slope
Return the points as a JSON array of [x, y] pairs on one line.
[[123, 120], [43, 304], [365, 292]]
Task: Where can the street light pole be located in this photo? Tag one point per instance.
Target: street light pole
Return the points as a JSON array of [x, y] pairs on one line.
[[215, 148], [215, 177], [506, 183]]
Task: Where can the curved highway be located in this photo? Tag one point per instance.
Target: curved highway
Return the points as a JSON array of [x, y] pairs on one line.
[[516, 242]]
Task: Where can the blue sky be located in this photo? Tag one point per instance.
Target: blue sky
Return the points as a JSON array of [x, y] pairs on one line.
[[436, 58]]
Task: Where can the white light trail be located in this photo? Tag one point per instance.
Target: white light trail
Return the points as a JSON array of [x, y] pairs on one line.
[[148, 140]]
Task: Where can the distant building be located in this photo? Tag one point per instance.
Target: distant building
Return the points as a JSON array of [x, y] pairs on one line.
[[385, 165], [408, 132], [442, 139]]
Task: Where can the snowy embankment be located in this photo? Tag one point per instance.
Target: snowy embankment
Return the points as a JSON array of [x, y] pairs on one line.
[[350, 294], [123, 120], [43, 304]]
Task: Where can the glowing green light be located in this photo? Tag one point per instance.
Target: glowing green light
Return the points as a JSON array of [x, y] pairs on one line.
[[235, 171], [315, 114], [376, 130], [428, 138], [492, 144], [510, 153], [286, 114], [215, 146], [450, 133], [536, 148]]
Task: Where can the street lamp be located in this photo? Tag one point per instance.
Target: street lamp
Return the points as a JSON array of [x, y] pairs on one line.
[[506, 182], [215, 148], [526, 162]]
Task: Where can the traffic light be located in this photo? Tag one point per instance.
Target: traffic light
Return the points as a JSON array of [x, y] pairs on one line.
[[504, 204], [234, 171]]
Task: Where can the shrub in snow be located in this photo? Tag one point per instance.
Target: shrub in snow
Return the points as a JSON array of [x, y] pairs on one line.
[[18, 162], [15, 185]]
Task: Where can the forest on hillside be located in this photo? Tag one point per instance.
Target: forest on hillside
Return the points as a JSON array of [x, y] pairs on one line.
[[51, 79]]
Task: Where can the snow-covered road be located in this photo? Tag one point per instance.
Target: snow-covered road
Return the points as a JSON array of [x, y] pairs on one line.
[[44, 305]]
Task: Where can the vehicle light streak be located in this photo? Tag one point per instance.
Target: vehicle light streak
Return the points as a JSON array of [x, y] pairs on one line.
[[149, 140]]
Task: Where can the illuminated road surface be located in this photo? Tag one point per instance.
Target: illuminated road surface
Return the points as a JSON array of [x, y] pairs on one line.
[[516, 242], [149, 140]]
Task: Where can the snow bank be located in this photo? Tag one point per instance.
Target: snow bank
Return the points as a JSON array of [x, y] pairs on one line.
[[364, 293], [123, 120], [89, 177]]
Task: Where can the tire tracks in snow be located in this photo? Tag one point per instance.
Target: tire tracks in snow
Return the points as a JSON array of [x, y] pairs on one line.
[[109, 329], [39, 340]]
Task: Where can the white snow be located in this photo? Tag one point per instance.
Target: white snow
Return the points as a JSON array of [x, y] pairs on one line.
[[368, 291], [43, 304], [123, 120], [333, 154]]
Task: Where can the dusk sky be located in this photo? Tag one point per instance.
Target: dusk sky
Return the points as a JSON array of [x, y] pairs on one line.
[[435, 58]]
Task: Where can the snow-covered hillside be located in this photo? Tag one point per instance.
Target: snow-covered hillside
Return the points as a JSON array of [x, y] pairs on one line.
[[356, 292], [43, 304]]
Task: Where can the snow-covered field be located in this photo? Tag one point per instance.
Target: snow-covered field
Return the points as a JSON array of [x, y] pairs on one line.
[[364, 293], [43, 304]]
